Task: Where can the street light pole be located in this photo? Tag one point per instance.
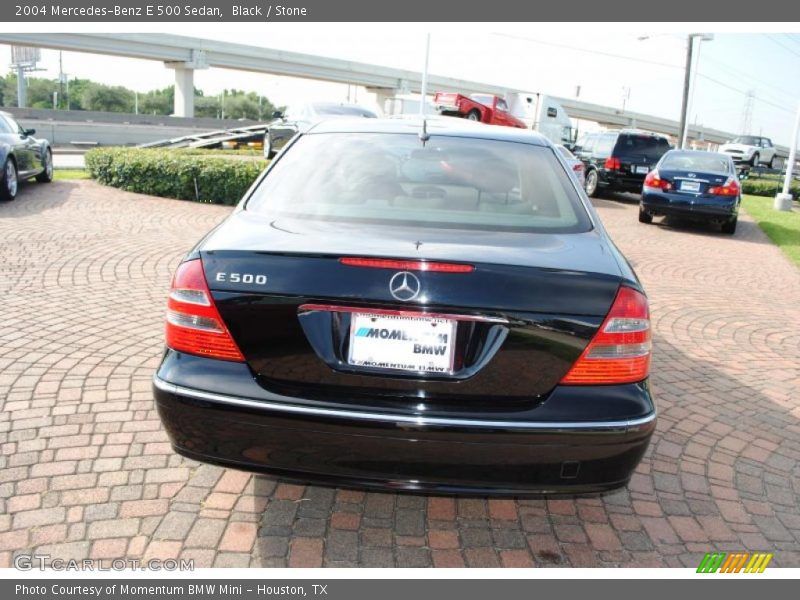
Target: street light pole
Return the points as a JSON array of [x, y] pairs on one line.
[[683, 132], [687, 80]]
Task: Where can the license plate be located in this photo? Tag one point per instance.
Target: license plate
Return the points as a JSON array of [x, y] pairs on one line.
[[644, 170], [690, 186], [414, 344]]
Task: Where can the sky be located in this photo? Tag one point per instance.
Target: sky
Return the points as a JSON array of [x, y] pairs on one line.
[[644, 69]]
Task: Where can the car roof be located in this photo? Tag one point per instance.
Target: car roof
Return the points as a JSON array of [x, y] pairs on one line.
[[629, 131], [689, 151], [434, 125]]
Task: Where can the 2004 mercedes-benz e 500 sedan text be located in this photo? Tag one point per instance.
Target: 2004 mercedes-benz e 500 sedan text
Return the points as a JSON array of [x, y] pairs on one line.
[[412, 305]]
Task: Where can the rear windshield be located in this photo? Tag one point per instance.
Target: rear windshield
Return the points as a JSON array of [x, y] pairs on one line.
[[449, 182], [641, 145], [684, 161]]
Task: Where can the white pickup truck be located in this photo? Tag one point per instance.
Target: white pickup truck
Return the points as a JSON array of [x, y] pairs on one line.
[[751, 149]]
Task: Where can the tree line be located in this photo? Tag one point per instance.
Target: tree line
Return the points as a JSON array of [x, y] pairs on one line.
[[84, 94]]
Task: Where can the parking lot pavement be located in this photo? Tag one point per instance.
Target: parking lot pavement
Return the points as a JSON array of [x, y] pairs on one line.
[[86, 470]]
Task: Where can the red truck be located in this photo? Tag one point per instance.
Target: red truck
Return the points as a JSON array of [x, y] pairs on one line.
[[485, 108]]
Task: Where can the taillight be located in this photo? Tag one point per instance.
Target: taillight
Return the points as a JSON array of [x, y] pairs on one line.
[[194, 325], [406, 265], [731, 188], [612, 164], [653, 180], [578, 167], [620, 350]]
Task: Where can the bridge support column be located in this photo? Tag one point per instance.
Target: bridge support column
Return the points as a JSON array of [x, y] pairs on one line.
[[382, 96], [184, 82], [184, 92]]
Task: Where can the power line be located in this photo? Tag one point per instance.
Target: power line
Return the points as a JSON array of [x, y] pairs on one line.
[[792, 38], [757, 99], [782, 45], [640, 60], [593, 52], [738, 72]]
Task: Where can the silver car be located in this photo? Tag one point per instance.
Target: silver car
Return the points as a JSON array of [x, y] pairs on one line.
[[575, 164], [297, 118]]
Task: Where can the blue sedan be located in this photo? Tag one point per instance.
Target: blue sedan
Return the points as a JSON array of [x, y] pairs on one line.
[[695, 185]]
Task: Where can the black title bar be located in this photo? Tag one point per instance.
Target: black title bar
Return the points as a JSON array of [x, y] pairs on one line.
[[255, 11]]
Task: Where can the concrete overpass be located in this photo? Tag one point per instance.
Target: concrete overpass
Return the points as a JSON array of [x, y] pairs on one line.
[[613, 117], [186, 54]]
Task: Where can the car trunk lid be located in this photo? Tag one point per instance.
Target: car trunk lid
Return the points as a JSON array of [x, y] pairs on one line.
[[521, 315]]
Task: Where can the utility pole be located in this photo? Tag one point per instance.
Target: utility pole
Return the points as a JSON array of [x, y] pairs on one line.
[[747, 113], [783, 201]]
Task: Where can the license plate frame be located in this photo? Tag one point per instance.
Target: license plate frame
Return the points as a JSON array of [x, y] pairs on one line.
[[641, 169], [690, 186], [396, 351]]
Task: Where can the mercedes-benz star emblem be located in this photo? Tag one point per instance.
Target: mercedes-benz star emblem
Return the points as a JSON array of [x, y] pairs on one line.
[[404, 286]]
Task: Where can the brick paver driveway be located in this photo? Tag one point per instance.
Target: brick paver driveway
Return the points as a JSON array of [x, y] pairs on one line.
[[87, 470]]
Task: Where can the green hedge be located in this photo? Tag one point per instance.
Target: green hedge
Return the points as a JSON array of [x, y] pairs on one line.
[[173, 174], [767, 187]]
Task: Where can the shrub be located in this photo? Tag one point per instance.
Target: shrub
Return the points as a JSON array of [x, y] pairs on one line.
[[173, 174], [767, 187]]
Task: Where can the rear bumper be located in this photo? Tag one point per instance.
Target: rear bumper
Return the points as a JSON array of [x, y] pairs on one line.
[[380, 449], [682, 205], [620, 182]]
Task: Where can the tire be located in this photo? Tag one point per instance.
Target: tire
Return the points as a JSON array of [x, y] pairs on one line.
[[772, 162], [10, 183], [729, 227], [755, 159], [590, 184], [268, 151], [46, 176], [644, 217], [474, 115]]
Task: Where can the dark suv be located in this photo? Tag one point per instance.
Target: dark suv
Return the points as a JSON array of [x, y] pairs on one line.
[[619, 160]]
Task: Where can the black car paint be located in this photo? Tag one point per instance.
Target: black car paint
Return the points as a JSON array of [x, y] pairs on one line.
[[296, 410], [18, 144], [634, 165], [407, 448]]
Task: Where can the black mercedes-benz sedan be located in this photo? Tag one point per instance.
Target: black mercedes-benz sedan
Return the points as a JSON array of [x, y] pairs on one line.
[[412, 305]]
